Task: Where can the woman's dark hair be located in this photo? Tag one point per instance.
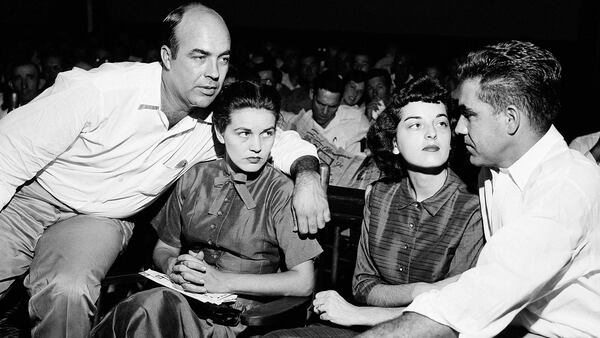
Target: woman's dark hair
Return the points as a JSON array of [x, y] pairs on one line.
[[244, 94], [382, 132]]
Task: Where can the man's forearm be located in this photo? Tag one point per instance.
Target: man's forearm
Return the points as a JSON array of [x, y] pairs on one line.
[[304, 163], [391, 295], [410, 324]]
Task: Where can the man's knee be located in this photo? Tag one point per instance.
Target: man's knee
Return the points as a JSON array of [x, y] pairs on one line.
[[65, 290]]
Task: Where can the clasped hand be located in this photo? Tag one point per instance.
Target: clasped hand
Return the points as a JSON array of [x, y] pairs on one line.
[[193, 274]]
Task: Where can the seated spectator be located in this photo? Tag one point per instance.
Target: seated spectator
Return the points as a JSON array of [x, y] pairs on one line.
[[589, 145], [52, 64], [235, 214], [421, 228], [387, 60], [362, 61], [289, 68], [354, 89], [271, 76], [340, 125], [300, 98], [379, 91], [26, 81], [402, 70]]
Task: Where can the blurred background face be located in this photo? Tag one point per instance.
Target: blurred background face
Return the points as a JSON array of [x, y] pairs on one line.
[[361, 62], [52, 66], [266, 77], [423, 134], [248, 138], [309, 69], [324, 106], [353, 92], [377, 89], [26, 82]]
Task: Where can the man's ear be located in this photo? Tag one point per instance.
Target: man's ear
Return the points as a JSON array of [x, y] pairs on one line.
[[166, 56], [41, 83], [513, 119]]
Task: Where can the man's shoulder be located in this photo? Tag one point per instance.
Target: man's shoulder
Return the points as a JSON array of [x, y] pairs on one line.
[[111, 76], [568, 167], [352, 115]]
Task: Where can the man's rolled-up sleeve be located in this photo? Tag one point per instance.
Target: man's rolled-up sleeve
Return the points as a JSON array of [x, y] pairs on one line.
[[288, 147]]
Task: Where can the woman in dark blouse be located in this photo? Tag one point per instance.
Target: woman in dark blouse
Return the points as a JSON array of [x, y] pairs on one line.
[[235, 216], [421, 227]]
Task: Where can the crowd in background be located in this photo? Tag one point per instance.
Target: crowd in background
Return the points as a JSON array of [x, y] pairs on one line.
[[32, 66]]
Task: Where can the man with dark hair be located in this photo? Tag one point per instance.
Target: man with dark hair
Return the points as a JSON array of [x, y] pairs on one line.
[[342, 126], [379, 90], [299, 98], [98, 147], [540, 201], [26, 81], [354, 88], [271, 76]]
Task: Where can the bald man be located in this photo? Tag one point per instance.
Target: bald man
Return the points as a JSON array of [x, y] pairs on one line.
[[101, 145]]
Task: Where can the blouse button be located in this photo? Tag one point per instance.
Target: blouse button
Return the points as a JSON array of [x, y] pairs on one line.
[[226, 199], [401, 269], [411, 225], [405, 246], [219, 213], [215, 256], [210, 242], [212, 226]]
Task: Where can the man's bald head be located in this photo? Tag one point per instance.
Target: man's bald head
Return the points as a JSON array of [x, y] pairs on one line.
[[175, 17]]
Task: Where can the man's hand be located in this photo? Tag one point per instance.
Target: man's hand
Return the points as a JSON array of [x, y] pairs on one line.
[[332, 307], [374, 108], [310, 203]]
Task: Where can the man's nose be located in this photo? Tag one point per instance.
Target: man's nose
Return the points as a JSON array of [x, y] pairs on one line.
[[212, 70], [461, 126]]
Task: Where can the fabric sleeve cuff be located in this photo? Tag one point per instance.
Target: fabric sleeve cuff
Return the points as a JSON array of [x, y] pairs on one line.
[[289, 147]]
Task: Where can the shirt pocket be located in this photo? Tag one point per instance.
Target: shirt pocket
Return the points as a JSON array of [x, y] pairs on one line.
[[161, 175]]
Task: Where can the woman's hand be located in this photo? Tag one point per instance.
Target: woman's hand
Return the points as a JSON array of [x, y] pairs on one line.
[[188, 271], [332, 307]]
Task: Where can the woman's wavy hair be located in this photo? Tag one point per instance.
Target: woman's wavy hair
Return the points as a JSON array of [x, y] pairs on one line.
[[383, 131]]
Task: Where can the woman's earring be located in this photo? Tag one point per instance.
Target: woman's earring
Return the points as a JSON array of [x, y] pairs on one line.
[[396, 151]]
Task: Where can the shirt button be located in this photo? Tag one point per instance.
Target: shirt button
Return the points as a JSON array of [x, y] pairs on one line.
[[210, 242], [182, 164], [212, 226], [226, 199], [401, 269], [405, 246], [219, 213], [411, 225], [215, 256], [416, 205]]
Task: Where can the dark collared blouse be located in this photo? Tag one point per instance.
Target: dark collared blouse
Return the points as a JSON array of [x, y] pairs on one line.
[[404, 241], [235, 238]]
